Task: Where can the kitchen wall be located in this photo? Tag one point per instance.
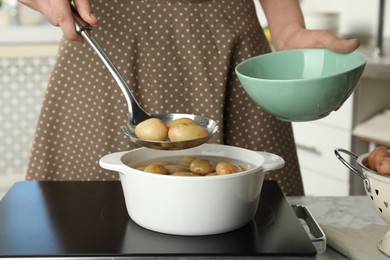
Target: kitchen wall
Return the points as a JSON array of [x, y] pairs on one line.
[[357, 17]]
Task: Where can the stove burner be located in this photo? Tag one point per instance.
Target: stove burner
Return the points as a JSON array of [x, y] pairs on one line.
[[89, 219]]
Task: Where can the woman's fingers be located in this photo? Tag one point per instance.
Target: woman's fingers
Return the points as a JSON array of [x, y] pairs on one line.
[[321, 39], [63, 18], [58, 13], [337, 44], [85, 11]]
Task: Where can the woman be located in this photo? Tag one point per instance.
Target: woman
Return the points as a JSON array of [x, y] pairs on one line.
[[177, 56]]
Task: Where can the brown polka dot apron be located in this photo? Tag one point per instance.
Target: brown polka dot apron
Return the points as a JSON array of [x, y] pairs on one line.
[[177, 56]]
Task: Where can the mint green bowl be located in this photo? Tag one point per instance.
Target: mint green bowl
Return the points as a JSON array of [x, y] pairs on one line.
[[301, 85]]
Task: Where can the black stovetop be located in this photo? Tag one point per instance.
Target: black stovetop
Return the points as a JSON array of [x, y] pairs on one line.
[[89, 219]]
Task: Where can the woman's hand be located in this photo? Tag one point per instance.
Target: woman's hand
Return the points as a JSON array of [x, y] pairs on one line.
[[303, 38], [287, 26], [58, 13]]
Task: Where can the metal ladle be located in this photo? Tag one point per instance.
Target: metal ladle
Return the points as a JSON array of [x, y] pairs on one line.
[[136, 113]]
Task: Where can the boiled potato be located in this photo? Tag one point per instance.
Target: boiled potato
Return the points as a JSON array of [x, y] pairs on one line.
[[163, 163], [201, 166], [176, 168], [152, 129], [183, 120], [186, 160], [227, 168], [186, 173], [376, 154], [190, 166], [156, 168], [383, 165], [183, 132]]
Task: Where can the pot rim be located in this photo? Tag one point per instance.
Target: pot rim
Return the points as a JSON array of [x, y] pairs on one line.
[[194, 178], [258, 166]]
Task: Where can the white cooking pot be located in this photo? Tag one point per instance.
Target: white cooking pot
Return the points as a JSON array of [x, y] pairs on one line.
[[185, 205]]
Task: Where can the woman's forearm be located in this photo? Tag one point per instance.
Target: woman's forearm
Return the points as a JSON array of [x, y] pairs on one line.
[[284, 18], [287, 27], [58, 13]]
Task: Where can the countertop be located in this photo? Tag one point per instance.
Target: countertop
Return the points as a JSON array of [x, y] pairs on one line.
[[355, 212]]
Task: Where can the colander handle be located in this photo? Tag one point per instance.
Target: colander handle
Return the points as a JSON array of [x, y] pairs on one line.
[[351, 167]]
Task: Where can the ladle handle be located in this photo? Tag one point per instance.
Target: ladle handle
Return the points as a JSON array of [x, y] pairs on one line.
[[136, 113]]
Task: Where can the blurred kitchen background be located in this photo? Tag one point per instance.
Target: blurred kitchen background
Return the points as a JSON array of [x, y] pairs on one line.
[[28, 46]]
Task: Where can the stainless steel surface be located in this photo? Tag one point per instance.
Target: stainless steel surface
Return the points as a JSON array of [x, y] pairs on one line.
[[347, 164], [351, 167], [136, 113], [210, 125], [378, 50], [317, 235]]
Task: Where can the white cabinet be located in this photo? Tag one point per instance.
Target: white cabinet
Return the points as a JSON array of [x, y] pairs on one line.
[[45, 34], [322, 173]]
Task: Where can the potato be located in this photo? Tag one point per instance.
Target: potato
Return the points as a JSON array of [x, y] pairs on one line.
[[152, 129], [183, 132], [383, 165], [227, 168], [190, 166], [176, 168], [183, 120], [186, 160], [184, 174], [163, 163], [201, 166], [156, 168], [377, 153]]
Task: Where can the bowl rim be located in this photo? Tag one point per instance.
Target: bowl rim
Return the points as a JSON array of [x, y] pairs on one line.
[[356, 53], [255, 169]]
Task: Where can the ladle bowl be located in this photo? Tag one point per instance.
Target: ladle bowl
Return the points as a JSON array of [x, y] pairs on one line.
[[136, 113], [209, 124]]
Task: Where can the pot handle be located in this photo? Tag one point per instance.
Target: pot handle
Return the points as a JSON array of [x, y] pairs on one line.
[[351, 167], [113, 161], [271, 161]]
